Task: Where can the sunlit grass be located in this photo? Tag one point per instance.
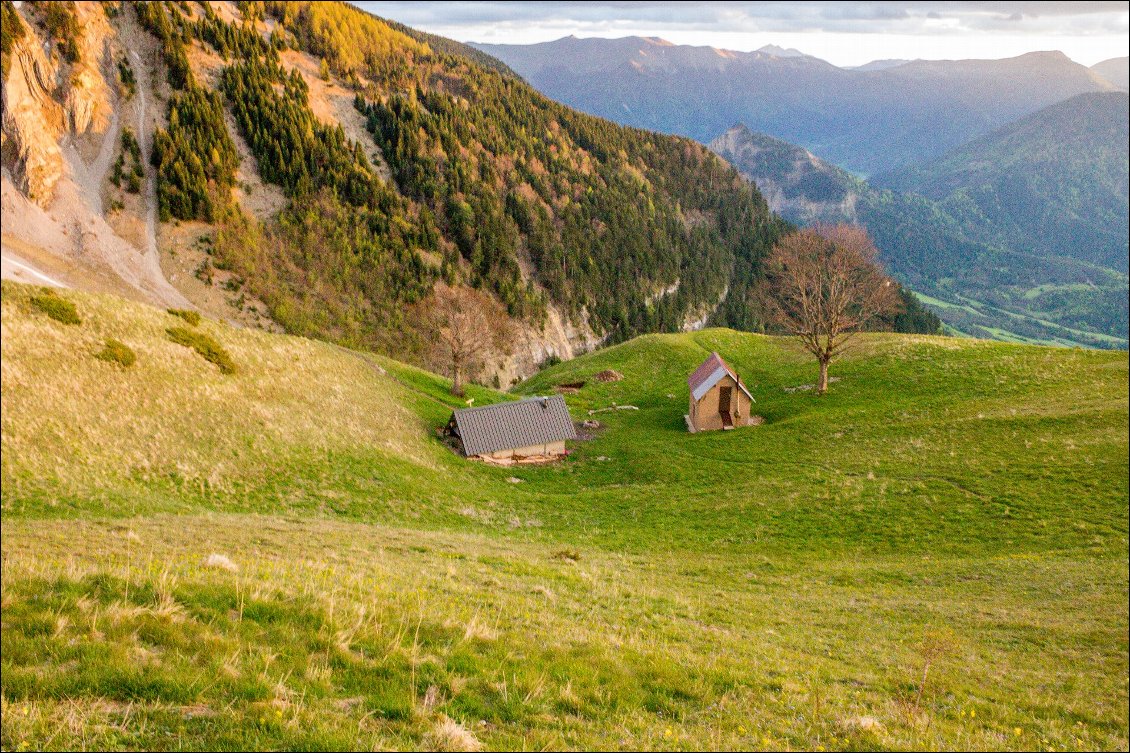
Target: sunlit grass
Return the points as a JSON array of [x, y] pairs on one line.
[[287, 557]]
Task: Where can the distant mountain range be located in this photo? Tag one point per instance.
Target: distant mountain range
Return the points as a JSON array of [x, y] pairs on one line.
[[878, 118], [1019, 234], [1115, 70]]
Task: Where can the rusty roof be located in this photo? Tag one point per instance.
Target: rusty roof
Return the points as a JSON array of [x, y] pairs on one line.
[[709, 373], [505, 426]]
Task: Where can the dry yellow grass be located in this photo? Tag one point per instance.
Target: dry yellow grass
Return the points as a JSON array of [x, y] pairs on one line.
[[450, 735], [186, 421]]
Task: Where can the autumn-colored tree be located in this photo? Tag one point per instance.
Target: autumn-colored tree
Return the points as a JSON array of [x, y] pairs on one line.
[[824, 285], [467, 328]]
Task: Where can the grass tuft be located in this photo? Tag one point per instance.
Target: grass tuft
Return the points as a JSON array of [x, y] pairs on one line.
[[192, 317], [450, 735], [56, 307], [221, 562], [205, 345], [116, 351]]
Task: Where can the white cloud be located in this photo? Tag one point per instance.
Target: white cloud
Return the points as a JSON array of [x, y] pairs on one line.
[[843, 33]]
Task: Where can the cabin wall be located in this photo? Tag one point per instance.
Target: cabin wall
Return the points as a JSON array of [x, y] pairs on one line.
[[551, 449], [705, 414]]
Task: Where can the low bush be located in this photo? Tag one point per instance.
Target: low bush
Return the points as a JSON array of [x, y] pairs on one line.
[[192, 317], [551, 360], [117, 352], [59, 309], [206, 346]]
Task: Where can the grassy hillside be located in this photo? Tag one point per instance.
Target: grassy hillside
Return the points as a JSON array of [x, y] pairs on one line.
[[286, 557]]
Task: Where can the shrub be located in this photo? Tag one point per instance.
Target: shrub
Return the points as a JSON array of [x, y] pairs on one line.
[[59, 309], [117, 352], [207, 347], [192, 317], [127, 77]]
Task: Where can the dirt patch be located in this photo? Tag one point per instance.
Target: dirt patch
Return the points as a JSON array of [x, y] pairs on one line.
[[523, 460], [187, 264], [807, 387], [587, 430], [258, 198], [569, 388], [332, 103], [608, 375], [128, 220], [206, 65]]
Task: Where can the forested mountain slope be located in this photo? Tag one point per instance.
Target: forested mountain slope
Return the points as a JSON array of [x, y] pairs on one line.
[[443, 167], [986, 274], [1056, 183]]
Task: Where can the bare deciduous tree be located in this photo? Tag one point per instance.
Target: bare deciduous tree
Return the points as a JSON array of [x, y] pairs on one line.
[[823, 285], [467, 328]]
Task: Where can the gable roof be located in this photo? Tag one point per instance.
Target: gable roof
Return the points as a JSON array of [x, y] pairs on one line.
[[710, 373], [536, 420]]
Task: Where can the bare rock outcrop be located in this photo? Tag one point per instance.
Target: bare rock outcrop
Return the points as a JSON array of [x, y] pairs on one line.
[[559, 338], [33, 121], [88, 101]]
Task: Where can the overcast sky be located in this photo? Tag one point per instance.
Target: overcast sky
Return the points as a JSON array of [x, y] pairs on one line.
[[844, 33]]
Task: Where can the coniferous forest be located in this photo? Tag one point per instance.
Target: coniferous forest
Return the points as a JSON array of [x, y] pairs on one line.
[[490, 184]]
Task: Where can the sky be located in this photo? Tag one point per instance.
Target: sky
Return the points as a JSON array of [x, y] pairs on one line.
[[843, 33]]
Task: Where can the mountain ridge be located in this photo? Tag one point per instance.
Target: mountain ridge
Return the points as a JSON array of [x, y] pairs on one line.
[[867, 121], [1057, 179], [978, 276]]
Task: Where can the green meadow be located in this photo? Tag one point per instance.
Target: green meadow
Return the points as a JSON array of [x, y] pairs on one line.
[[934, 555]]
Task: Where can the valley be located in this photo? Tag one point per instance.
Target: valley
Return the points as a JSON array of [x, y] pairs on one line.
[[977, 255]]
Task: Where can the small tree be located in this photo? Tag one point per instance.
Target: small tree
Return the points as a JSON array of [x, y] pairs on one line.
[[467, 327], [824, 285]]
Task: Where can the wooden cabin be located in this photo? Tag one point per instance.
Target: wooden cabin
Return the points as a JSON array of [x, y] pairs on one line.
[[525, 430], [718, 398]]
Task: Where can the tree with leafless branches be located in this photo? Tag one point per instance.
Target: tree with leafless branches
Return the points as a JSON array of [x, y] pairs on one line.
[[465, 329], [824, 285]]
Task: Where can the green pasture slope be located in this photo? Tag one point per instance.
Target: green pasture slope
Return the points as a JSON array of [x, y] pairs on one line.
[[932, 556]]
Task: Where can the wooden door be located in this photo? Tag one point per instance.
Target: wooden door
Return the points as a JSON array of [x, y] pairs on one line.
[[725, 395]]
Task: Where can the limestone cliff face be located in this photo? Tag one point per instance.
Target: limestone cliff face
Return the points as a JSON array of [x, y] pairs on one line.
[[798, 185], [45, 99], [88, 101], [33, 121], [533, 346]]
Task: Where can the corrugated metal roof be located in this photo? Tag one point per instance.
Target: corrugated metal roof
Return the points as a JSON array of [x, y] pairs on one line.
[[505, 426], [709, 373]]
